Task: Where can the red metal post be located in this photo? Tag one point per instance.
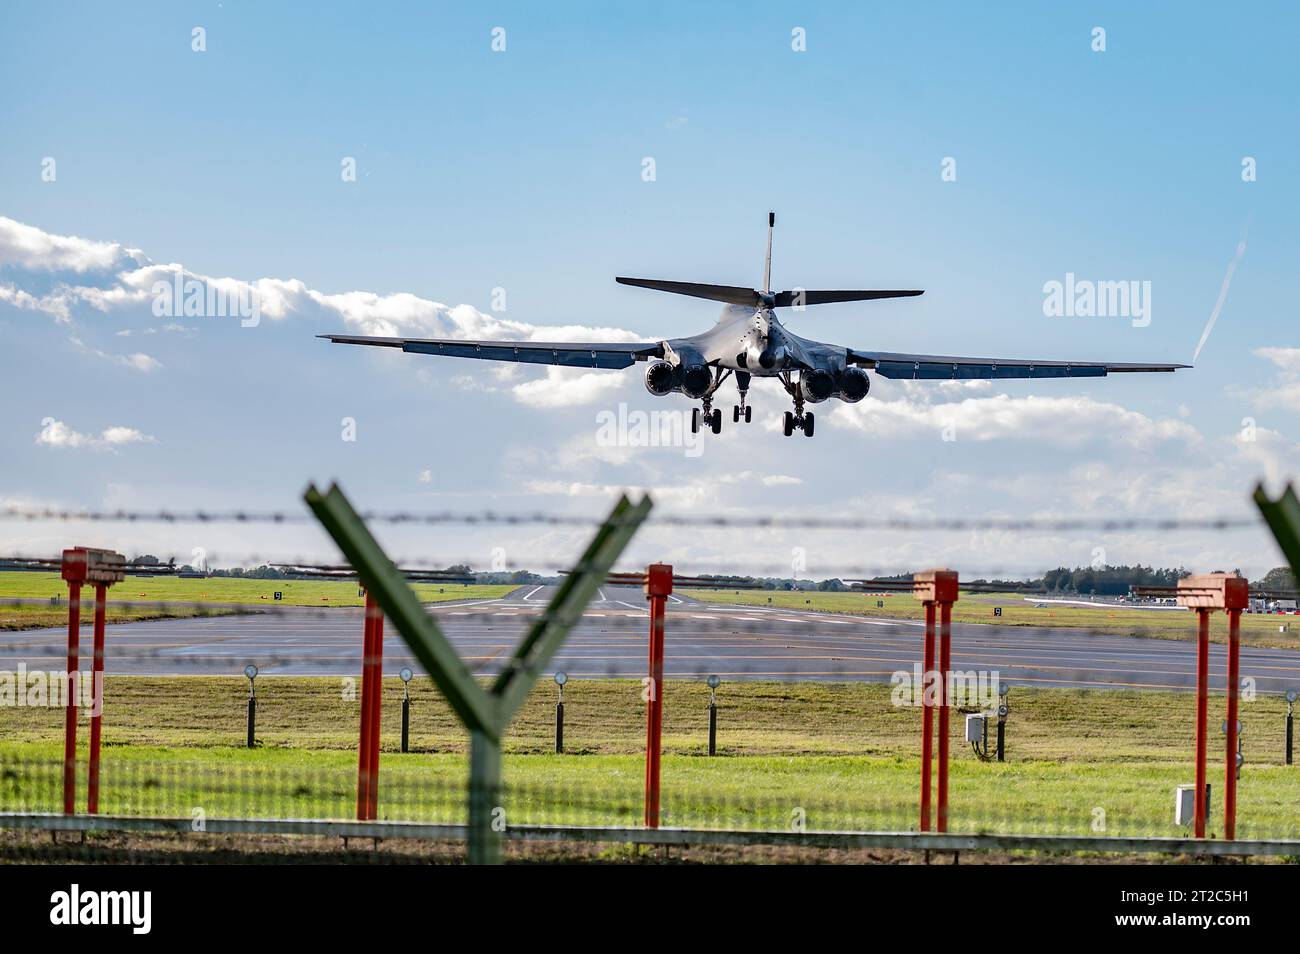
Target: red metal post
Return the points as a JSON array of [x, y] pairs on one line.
[[70, 709], [659, 583], [1202, 698], [376, 701], [945, 663], [1230, 762], [927, 715], [363, 753], [97, 701]]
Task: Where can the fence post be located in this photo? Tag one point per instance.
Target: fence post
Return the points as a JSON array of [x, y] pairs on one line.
[[659, 583], [486, 714]]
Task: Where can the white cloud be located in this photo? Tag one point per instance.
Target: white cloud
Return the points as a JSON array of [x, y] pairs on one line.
[[1283, 392], [1068, 420], [131, 288], [55, 433], [25, 246]]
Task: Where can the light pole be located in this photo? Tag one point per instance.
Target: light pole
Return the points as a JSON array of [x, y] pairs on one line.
[[713, 682], [406, 707], [251, 672], [561, 677]]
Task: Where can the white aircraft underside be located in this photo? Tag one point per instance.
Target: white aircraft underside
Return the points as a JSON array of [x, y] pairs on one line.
[[749, 341]]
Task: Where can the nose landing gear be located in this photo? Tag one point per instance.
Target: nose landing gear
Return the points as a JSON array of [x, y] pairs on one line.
[[742, 409]]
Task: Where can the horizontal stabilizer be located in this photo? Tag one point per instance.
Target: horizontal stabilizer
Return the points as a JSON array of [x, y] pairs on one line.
[[739, 295], [732, 294], [814, 296]]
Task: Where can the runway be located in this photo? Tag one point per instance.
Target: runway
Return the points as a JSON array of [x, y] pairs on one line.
[[735, 642]]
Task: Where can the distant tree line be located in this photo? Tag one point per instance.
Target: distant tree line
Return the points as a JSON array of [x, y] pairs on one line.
[[1109, 580]]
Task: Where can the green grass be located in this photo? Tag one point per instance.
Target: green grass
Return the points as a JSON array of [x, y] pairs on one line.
[[839, 752], [220, 595], [1256, 629]]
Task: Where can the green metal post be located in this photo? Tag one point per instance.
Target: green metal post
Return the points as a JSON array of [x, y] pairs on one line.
[[486, 813]]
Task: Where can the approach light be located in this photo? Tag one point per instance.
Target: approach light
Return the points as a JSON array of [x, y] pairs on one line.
[[561, 677], [250, 671], [405, 674], [713, 682]]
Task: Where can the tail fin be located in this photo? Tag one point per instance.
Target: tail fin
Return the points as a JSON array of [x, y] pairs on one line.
[[767, 266]]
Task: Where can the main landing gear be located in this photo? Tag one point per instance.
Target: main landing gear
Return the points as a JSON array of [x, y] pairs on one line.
[[712, 418], [707, 415], [798, 420]]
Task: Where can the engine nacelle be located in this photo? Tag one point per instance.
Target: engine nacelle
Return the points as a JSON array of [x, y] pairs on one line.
[[696, 380], [854, 385], [816, 385], [661, 378]]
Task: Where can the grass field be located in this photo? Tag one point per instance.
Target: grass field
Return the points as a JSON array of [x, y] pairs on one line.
[[838, 752], [1256, 629], [220, 595]]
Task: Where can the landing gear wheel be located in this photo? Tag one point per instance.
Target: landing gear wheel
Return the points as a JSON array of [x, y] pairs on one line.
[[808, 424], [717, 421], [749, 413], [735, 414], [695, 420], [787, 424]]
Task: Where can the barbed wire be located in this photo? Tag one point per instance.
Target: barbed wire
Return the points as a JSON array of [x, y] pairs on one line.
[[745, 521]]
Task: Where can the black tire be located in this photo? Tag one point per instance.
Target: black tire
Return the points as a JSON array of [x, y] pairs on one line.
[[808, 424], [735, 414], [749, 413], [717, 421], [695, 420], [787, 424]]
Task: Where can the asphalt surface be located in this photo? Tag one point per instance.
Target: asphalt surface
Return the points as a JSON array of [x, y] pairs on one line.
[[735, 642]]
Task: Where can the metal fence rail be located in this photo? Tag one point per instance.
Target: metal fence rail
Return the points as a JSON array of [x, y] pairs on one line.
[[843, 840]]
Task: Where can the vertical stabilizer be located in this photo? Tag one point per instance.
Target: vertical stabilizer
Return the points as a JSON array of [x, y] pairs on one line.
[[767, 265]]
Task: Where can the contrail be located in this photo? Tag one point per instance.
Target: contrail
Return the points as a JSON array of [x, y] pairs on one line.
[[1223, 295]]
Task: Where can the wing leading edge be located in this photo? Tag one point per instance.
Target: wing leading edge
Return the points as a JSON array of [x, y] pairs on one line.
[[570, 355], [936, 367]]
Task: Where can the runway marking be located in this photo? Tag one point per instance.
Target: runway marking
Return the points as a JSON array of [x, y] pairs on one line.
[[602, 595], [529, 594], [630, 606]]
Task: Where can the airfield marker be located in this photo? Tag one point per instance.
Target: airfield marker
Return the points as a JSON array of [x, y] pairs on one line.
[[70, 710], [658, 584], [945, 661], [363, 746], [927, 715], [1233, 727], [96, 711], [1202, 701]]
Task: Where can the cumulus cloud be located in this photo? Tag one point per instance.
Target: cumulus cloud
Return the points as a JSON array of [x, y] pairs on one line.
[[25, 246], [129, 283], [55, 433], [1283, 392], [1065, 420]]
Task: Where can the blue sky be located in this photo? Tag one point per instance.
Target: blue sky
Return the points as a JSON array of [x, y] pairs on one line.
[[522, 169]]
